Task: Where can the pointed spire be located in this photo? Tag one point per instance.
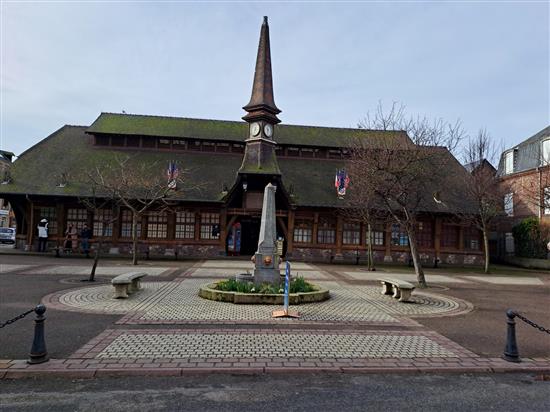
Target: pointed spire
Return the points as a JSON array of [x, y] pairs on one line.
[[262, 103]]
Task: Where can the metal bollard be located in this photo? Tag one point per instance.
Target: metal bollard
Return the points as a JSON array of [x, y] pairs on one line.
[[511, 350], [38, 354]]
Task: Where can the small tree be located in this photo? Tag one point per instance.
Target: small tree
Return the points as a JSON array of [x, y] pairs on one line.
[[96, 205], [482, 186], [402, 174], [137, 184]]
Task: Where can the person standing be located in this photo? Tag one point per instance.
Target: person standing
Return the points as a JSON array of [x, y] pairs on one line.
[[42, 235], [71, 238], [85, 236]]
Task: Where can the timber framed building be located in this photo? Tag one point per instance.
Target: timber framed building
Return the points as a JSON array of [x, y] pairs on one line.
[[228, 164]]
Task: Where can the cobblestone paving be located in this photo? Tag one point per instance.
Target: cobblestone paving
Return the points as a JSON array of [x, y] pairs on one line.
[[101, 270], [231, 272], [100, 298], [179, 302], [272, 345], [249, 265], [363, 275]]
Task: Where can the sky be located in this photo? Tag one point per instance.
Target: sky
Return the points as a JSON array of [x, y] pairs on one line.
[[484, 63]]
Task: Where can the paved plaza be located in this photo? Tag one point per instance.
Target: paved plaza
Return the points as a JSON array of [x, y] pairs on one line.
[[166, 328]]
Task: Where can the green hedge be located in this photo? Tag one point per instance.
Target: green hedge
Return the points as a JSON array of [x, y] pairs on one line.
[[529, 240]]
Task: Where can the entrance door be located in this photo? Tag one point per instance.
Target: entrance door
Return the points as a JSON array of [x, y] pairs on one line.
[[250, 233]]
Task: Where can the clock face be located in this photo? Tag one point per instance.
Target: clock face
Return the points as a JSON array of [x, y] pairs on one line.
[[268, 130], [255, 129]]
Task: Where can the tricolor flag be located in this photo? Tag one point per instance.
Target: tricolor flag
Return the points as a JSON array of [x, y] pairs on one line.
[[172, 173], [341, 182]]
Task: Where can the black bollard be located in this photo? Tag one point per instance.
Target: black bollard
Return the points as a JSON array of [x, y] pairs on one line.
[[38, 354], [511, 350]]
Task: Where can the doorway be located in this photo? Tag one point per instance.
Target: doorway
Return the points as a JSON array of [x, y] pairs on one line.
[[250, 233]]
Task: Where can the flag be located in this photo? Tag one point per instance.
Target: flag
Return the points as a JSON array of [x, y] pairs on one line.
[[341, 182], [172, 174]]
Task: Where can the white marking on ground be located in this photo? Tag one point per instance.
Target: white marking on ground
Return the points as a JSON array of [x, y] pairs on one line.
[[508, 280]]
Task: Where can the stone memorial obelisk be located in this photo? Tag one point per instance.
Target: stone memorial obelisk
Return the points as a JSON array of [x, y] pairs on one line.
[[266, 260]]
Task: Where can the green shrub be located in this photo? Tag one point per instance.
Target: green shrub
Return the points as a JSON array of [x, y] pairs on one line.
[[300, 285], [296, 285], [528, 239]]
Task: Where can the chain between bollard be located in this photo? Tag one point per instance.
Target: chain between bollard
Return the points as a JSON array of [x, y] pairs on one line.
[[533, 324], [9, 322]]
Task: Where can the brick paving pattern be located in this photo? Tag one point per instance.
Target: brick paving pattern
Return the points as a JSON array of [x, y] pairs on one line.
[[357, 330]]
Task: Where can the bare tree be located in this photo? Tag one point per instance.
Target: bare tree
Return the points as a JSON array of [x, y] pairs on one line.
[[482, 186], [137, 184], [98, 205], [403, 174]]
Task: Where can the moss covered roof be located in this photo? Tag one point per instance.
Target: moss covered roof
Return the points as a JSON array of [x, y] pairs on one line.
[[70, 151], [181, 127]]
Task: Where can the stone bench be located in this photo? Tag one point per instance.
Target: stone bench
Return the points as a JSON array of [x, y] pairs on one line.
[[398, 288], [127, 283]]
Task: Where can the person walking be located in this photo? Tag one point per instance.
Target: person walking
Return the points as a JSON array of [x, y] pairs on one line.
[[42, 235], [85, 236]]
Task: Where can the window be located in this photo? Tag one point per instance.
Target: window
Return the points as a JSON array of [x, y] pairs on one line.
[[377, 236], [103, 219], [424, 234], [509, 162], [77, 218], [157, 224], [210, 226], [547, 200], [178, 144], [449, 236], [126, 224], [326, 231], [164, 144], [399, 235], [545, 158], [185, 225], [100, 140], [509, 204], [117, 141], [237, 148], [222, 147], [148, 142], [293, 151], [50, 214], [351, 234], [303, 230], [471, 238], [132, 141]]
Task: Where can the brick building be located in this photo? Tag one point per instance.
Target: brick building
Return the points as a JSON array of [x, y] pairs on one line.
[[232, 161]]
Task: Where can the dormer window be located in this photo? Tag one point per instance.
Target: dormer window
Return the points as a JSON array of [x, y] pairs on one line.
[[545, 152], [509, 162]]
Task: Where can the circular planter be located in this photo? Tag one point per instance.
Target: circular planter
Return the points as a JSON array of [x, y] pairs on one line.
[[209, 292]]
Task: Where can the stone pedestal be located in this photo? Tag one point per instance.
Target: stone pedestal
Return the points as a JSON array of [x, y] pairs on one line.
[[266, 259]]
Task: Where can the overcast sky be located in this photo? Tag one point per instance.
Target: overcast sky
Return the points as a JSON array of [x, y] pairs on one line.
[[486, 63]]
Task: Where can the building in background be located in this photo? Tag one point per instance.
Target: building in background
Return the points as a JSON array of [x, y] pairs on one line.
[[227, 164]]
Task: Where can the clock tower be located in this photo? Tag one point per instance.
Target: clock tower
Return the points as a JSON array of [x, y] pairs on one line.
[[259, 156]]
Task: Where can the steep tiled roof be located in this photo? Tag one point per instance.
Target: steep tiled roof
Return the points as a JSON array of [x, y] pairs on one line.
[[181, 127], [527, 154], [70, 151]]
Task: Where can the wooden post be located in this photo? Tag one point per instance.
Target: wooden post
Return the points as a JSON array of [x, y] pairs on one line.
[[31, 226], [290, 237], [223, 231], [197, 226], [461, 237], [339, 233], [387, 242], [437, 238], [315, 227]]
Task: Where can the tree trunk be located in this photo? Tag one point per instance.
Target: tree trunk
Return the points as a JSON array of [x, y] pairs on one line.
[[134, 238], [486, 248], [97, 252], [370, 259], [416, 258]]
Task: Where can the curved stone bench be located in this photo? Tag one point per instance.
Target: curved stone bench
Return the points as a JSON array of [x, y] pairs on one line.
[[127, 283], [398, 288]]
